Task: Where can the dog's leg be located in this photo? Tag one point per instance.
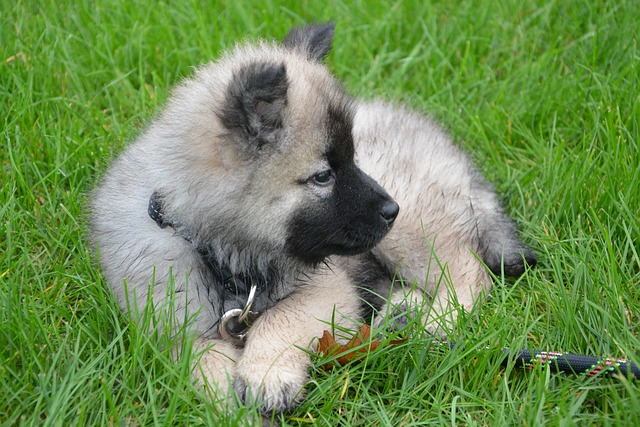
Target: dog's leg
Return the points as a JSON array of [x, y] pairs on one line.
[[463, 282], [215, 367], [499, 244], [438, 289], [273, 368]]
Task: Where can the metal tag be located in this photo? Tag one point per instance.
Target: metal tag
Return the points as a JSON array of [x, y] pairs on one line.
[[233, 329], [235, 323]]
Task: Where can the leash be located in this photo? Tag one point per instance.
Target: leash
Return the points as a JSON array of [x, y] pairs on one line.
[[570, 363], [567, 363]]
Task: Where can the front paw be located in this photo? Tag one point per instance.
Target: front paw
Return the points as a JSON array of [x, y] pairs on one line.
[[271, 386]]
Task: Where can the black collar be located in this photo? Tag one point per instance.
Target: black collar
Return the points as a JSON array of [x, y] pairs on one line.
[[238, 284]]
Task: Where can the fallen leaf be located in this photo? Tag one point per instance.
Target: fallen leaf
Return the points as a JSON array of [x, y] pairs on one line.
[[358, 346]]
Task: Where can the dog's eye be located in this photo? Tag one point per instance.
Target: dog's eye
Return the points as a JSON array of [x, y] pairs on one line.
[[323, 178]]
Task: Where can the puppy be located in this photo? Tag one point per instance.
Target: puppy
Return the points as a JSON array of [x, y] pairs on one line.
[[248, 202]]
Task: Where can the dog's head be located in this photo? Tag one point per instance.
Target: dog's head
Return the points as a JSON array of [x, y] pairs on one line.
[[263, 155]]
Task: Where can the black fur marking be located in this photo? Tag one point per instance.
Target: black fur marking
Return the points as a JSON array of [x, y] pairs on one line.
[[339, 125], [313, 40], [372, 280], [346, 223], [349, 221], [255, 105]]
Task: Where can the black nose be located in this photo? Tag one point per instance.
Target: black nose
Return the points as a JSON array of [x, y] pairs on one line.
[[389, 211]]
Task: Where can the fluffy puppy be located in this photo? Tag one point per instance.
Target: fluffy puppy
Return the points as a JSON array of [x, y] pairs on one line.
[[247, 209]]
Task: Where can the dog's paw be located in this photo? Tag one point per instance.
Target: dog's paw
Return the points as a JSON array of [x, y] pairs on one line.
[[271, 387]]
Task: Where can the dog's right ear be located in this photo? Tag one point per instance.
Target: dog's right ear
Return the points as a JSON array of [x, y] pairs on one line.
[[255, 105], [314, 40]]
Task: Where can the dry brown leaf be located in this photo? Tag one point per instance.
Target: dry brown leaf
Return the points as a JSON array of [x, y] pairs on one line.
[[354, 349]]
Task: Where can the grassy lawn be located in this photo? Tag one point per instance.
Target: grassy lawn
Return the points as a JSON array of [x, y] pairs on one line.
[[545, 94]]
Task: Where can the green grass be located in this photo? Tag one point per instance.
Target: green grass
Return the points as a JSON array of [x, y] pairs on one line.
[[545, 94]]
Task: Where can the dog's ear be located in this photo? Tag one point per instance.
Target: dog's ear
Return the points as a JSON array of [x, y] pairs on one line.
[[314, 40], [256, 101]]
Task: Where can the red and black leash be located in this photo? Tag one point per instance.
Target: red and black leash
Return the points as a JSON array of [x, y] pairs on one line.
[[569, 363]]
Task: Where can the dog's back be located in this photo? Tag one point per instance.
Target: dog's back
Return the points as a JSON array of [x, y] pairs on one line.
[[451, 220]]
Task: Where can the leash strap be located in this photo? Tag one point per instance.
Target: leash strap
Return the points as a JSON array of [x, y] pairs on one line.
[[567, 363]]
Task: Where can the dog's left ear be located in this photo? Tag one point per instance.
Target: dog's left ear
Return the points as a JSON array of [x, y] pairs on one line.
[[255, 106], [314, 40]]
